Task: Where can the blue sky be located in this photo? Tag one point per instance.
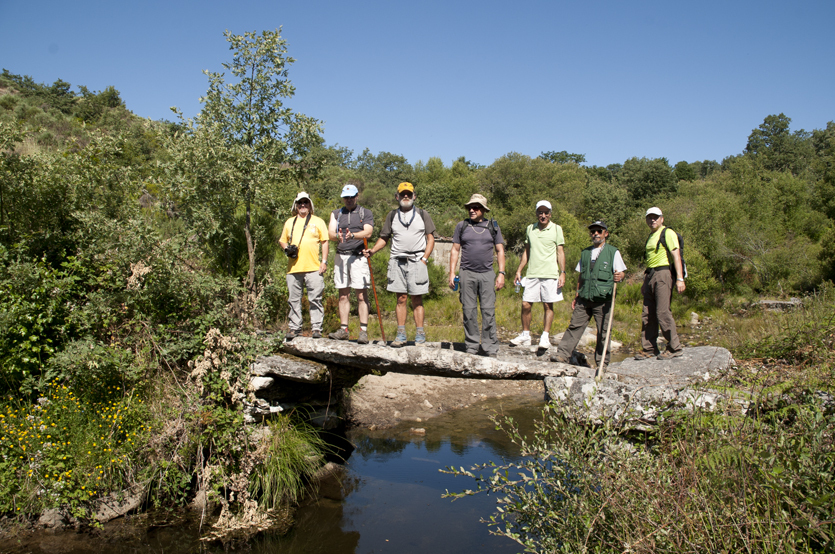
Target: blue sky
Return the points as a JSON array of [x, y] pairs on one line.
[[608, 79]]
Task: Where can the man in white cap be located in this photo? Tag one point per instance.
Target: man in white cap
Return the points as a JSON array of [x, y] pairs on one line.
[[348, 226], [658, 289], [300, 240], [545, 277], [412, 235], [475, 239]]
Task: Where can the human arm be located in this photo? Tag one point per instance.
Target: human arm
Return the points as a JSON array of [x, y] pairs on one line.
[[500, 259], [679, 271], [453, 262], [430, 246], [324, 263], [332, 228], [522, 263], [561, 266], [379, 245]]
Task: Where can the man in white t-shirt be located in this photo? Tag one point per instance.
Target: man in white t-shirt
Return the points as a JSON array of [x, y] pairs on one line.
[[600, 267]]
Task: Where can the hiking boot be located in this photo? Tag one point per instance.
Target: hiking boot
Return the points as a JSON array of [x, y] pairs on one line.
[[669, 354], [644, 356], [399, 340], [420, 339], [316, 334], [522, 340], [363, 338], [290, 335], [559, 358], [342, 334], [544, 342]]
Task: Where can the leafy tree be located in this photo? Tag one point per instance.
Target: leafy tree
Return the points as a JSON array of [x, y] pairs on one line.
[[256, 146], [684, 171], [647, 179], [563, 157], [778, 149]]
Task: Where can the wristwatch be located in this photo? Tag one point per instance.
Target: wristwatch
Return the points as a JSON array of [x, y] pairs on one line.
[[424, 260], [680, 279], [502, 273]]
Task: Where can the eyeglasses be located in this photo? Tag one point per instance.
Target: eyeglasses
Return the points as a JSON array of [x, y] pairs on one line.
[[596, 231], [354, 197], [540, 214]]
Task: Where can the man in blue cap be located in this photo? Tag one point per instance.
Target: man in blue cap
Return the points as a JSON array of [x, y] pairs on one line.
[[348, 227]]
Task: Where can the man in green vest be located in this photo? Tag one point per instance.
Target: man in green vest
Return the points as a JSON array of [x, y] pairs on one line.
[[600, 267], [658, 290]]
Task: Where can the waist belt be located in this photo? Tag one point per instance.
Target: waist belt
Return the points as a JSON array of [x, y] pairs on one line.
[[651, 270]]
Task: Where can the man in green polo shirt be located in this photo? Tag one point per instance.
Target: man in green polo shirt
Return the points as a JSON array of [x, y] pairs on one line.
[[658, 290], [546, 273]]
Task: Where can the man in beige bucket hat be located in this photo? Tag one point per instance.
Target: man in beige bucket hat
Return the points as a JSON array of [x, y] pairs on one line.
[[474, 240]]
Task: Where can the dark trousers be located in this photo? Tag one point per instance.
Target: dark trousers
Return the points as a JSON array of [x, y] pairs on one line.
[[658, 293], [479, 289], [584, 310]]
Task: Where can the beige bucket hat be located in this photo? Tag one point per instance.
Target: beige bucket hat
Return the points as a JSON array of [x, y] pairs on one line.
[[478, 199]]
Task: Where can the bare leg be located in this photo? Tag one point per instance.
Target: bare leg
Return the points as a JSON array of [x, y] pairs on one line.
[[362, 306], [548, 318], [417, 309], [344, 306], [526, 316], [401, 310]]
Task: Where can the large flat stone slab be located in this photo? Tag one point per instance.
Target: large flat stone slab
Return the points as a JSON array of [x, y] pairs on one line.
[[289, 367], [444, 359]]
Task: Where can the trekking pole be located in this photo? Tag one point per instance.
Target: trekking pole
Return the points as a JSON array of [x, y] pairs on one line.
[[374, 288], [599, 375]]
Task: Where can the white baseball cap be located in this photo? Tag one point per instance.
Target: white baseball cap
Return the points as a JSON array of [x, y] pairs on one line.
[[543, 203], [654, 211]]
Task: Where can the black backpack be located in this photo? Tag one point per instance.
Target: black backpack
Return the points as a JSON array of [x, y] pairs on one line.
[[663, 241]]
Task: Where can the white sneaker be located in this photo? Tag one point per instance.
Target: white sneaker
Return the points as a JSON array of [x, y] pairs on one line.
[[522, 340], [544, 342]]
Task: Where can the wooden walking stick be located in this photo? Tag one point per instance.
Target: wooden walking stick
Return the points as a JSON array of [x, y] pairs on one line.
[[599, 375], [374, 288]]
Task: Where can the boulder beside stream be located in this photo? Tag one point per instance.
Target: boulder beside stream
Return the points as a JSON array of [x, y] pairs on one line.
[[636, 392]]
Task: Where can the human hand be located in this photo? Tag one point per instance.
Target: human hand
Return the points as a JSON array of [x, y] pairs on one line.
[[499, 281]]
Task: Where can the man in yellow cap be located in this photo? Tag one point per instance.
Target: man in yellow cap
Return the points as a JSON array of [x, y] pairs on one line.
[[412, 235]]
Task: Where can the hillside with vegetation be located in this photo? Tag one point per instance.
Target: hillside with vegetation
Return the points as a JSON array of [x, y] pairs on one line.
[[139, 257]]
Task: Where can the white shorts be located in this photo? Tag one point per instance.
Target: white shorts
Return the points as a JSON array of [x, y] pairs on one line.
[[541, 290], [351, 271]]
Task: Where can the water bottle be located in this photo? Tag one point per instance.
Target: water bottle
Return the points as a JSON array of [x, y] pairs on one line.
[[518, 286], [455, 288]]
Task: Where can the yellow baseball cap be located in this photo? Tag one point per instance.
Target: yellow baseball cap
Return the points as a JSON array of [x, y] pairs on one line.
[[406, 186]]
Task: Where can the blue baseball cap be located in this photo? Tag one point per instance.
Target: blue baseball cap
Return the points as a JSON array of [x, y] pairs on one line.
[[349, 190]]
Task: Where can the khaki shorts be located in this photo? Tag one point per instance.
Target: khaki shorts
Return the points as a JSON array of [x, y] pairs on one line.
[[411, 277], [541, 290], [351, 271]]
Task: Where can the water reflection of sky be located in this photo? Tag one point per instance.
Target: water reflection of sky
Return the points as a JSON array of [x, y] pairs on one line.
[[393, 501]]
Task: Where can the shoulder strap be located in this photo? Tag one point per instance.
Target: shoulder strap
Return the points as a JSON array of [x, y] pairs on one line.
[[306, 221]]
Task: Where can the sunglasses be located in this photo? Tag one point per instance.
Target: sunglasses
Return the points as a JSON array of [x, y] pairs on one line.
[[475, 208], [540, 214], [406, 194], [303, 203], [596, 231], [350, 197]]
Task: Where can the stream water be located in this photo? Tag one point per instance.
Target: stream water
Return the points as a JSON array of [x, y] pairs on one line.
[[389, 501]]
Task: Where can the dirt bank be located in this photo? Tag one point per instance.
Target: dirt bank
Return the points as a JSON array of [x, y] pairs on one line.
[[383, 401]]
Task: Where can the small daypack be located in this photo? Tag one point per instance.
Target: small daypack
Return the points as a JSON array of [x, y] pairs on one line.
[[663, 241]]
